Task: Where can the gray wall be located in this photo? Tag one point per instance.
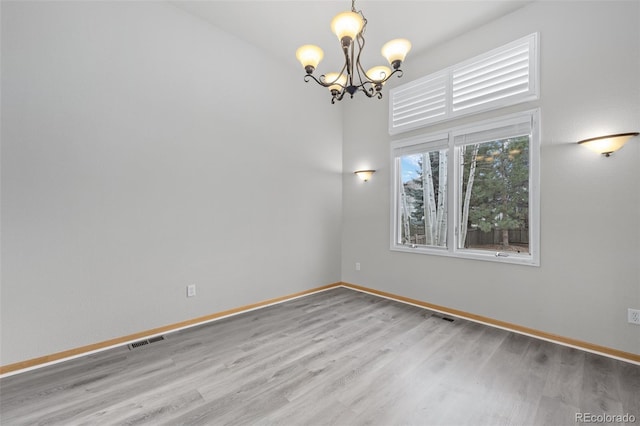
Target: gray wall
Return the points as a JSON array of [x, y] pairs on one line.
[[134, 163], [138, 158], [590, 205]]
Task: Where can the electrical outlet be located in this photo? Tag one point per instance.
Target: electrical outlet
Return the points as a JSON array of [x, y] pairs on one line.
[[357, 266], [634, 316], [191, 290]]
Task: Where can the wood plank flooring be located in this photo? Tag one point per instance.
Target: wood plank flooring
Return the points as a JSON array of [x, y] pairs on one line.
[[337, 357]]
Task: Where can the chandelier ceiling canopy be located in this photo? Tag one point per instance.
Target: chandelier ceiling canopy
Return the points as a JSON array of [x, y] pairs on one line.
[[349, 27]]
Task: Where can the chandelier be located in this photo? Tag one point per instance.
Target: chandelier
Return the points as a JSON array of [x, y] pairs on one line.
[[349, 27]]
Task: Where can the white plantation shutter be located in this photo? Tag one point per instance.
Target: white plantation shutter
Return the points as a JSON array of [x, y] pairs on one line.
[[419, 102], [504, 76], [503, 73]]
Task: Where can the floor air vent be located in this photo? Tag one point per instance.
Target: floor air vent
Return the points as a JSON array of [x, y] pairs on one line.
[[443, 317], [144, 342]]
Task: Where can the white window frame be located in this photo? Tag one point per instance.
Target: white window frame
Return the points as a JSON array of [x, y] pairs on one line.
[[433, 141], [410, 103]]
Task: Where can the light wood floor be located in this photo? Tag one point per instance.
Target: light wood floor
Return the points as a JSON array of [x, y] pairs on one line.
[[337, 357]]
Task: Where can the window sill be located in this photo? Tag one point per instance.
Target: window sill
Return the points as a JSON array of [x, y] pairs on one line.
[[487, 256]]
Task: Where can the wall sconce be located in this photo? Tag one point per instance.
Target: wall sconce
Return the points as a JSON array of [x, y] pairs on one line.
[[606, 145], [365, 175]]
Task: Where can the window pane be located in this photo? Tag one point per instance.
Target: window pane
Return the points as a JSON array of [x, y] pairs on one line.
[[422, 204], [494, 196]]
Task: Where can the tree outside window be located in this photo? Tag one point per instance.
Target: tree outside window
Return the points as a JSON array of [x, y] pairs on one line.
[[495, 195], [424, 198]]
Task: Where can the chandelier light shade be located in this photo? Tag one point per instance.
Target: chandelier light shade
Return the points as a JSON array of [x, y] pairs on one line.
[[378, 74], [606, 145], [336, 81], [349, 27], [346, 26], [396, 50], [309, 56]]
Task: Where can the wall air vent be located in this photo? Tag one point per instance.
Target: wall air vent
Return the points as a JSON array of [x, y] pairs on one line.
[[144, 342]]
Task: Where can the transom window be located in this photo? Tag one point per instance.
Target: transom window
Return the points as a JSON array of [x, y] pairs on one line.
[[507, 75]]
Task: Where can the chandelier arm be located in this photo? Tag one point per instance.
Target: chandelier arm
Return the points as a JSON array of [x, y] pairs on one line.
[[369, 92], [344, 67], [367, 88], [396, 71], [366, 85], [348, 64], [361, 41], [323, 83], [356, 66], [359, 68], [343, 87], [308, 76]]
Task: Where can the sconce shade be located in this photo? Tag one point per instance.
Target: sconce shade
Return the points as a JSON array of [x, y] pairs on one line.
[[347, 24], [365, 175], [609, 144], [309, 55]]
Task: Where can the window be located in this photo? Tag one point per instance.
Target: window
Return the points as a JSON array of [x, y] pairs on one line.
[[423, 198], [504, 76], [483, 179]]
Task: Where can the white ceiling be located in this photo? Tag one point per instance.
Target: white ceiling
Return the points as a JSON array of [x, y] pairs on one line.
[[280, 27]]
